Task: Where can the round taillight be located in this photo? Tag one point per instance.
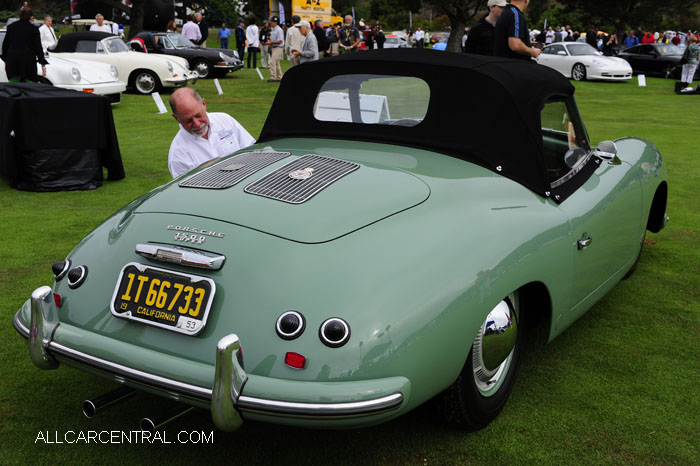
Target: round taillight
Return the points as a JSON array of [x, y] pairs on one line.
[[60, 269], [290, 325], [334, 332], [77, 276]]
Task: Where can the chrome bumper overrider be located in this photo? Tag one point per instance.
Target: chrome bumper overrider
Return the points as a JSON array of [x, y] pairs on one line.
[[226, 398]]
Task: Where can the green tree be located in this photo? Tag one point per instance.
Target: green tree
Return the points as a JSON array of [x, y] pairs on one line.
[[460, 14], [624, 14]]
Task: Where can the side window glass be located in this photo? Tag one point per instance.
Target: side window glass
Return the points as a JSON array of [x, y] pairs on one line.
[[86, 46], [564, 154], [100, 48], [166, 42]]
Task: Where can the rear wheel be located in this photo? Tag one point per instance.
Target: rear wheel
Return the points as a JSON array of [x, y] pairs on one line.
[[578, 72], [668, 70], [486, 380], [145, 82]]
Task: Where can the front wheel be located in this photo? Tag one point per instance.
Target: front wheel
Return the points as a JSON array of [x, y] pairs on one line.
[[578, 72], [486, 380], [145, 82], [202, 68]]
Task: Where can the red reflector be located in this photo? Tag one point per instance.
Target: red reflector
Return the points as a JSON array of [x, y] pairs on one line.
[[58, 299], [295, 360]]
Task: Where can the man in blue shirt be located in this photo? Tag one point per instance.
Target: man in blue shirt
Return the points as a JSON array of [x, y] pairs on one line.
[[511, 36], [631, 40], [224, 34]]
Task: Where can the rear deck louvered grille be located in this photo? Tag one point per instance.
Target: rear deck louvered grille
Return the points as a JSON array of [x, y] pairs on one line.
[[281, 185], [231, 171]]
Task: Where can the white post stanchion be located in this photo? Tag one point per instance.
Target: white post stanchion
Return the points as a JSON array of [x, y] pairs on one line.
[[159, 103], [218, 87], [642, 80], [260, 74]]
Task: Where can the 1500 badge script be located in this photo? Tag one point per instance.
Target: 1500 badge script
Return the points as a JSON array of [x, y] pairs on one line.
[[193, 235]]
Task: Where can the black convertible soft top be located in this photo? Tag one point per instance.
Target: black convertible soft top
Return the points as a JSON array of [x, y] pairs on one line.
[[67, 42], [485, 110]]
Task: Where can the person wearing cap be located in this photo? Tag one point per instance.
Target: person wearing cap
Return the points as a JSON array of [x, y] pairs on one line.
[[480, 38], [293, 41], [276, 43], [264, 47], [309, 48], [203, 137], [511, 36], [240, 38]]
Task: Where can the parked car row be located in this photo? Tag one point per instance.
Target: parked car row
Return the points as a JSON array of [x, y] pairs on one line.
[[78, 75], [580, 61], [104, 64]]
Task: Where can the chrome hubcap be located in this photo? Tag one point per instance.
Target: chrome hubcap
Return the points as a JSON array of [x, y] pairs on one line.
[[578, 72], [493, 347], [202, 69], [145, 83]]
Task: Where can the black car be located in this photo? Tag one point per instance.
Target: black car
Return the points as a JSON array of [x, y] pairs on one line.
[[656, 59], [206, 63]]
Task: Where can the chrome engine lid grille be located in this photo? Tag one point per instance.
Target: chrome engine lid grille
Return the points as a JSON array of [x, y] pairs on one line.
[[230, 171], [300, 180]]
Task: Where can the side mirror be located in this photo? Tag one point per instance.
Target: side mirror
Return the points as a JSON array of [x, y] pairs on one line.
[[607, 150], [561, 52]]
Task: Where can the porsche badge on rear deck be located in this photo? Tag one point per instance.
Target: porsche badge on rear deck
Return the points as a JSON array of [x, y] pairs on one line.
[[302, 174]]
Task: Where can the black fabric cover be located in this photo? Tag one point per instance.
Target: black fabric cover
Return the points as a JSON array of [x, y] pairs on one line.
[[482, 109], [56, 139], [67, 42]]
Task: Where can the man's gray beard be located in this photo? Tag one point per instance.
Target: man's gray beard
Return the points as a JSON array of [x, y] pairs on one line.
[[201, 132]]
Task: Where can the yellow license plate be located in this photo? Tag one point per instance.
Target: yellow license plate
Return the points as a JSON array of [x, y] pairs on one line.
[[163, 298]]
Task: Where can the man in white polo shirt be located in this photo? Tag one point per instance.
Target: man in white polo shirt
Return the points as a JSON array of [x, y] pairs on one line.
[[203, 136], [101, 26]]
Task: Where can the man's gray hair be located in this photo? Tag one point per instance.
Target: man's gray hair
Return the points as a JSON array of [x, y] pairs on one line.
[[173, 97], [47, 17], [98, 15]]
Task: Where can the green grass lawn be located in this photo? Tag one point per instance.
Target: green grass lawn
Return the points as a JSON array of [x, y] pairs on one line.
[[621, 386]]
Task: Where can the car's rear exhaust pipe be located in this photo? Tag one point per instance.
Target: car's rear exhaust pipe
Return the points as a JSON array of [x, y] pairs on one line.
[[93, 406], [153, 423]]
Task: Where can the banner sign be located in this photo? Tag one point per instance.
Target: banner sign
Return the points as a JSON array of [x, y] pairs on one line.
[[311, 10]]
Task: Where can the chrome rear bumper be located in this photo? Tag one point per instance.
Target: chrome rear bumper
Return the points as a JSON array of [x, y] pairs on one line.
[[226, 399]]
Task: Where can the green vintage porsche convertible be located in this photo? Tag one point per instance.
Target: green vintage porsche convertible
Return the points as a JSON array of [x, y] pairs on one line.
[[400, 217]]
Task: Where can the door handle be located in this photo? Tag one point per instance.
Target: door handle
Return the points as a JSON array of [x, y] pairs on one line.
[[584, 242]]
